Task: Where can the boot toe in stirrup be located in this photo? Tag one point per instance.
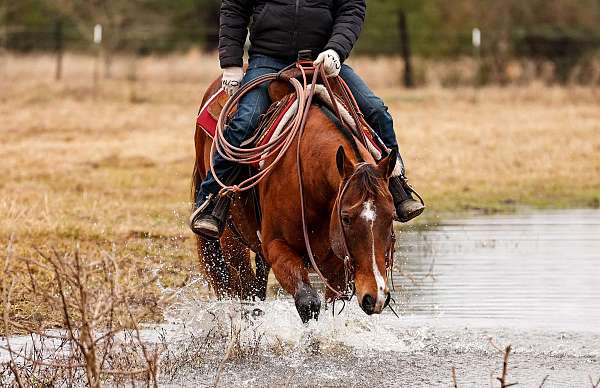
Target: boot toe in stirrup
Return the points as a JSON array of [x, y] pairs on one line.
[[206, 227], [409, 209]]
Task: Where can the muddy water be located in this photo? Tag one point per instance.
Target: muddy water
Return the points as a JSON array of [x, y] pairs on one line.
[[463, 289]]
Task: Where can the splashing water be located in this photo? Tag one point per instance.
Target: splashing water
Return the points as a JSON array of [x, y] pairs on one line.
[[277, 323]]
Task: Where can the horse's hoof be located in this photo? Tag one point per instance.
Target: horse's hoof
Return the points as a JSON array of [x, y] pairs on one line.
[[308, 303]]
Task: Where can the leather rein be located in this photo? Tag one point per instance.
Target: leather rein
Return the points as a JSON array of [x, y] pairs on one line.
[[348, 270]]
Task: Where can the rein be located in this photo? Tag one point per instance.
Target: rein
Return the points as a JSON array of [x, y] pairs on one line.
[[278, 146], [347, 269]]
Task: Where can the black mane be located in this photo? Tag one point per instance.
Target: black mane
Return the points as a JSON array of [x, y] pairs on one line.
[[369, 181]]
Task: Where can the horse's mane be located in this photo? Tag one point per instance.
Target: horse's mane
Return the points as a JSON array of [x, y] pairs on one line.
[[369, 181]]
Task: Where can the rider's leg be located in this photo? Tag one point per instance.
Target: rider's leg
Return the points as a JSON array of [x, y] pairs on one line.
[[250, 107], [377, 116]]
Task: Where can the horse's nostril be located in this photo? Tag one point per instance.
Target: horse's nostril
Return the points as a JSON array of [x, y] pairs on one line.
[[368, 304]]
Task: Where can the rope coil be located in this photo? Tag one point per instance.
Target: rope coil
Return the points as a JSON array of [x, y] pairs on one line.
[[276, 147]]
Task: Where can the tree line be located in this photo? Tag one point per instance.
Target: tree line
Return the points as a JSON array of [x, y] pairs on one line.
[[563, 31]]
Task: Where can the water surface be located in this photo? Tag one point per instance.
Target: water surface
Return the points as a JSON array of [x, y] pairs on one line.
[[532, 269], [464, 288]]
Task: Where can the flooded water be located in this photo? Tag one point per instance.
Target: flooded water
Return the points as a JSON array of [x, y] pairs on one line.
[[463, 289], [535, 269]]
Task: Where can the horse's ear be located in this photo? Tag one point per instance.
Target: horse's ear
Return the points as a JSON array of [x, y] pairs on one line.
[[386, 165], [344, 166]]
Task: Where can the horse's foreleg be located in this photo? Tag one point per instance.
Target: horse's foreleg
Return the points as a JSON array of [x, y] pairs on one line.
[[289, 270]]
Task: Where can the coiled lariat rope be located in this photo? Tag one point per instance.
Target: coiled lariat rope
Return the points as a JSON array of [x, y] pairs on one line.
[[278, 146]]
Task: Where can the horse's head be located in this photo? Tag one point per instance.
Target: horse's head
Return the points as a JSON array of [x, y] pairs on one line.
[[361, 226]]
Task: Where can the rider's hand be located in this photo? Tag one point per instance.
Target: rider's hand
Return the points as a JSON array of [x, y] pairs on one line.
[[331, 62], [232, 79]]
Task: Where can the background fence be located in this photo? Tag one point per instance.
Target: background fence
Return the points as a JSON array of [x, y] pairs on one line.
[[500, 37]]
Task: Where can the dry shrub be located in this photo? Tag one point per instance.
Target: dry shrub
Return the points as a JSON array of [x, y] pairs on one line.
[[93, 302]]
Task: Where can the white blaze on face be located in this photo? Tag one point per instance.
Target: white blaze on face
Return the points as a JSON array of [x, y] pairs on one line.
[[368, 214]]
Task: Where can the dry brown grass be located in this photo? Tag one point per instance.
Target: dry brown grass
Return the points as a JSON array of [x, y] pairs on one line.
[[111, 166], [497, 148]]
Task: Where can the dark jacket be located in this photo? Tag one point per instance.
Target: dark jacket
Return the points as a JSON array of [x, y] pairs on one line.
[[281, 28]]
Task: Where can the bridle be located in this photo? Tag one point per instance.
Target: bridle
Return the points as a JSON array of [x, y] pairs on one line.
[[345, 254]]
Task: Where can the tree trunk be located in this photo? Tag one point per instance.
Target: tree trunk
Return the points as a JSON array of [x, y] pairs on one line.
[[405, 50]]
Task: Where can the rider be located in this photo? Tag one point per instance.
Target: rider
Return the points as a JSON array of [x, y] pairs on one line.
[[279, 29]]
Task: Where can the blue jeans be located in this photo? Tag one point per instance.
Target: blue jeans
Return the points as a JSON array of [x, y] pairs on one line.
[[257, 101]]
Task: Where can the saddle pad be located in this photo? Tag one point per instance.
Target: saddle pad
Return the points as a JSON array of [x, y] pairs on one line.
[[210, 111]]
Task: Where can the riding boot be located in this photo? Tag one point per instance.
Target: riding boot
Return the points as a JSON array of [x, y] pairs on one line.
[[209, 219], [406, 206]]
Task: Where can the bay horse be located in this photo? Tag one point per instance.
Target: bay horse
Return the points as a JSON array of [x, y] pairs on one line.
[[348, 210]]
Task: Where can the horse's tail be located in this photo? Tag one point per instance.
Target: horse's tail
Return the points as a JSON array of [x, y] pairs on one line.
[[210, 253]]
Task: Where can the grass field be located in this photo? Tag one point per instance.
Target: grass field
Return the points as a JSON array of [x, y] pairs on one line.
[[109, 167]]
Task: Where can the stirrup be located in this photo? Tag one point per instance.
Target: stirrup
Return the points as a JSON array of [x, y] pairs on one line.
[[406, 206], [410, 190], [206, 227], [211, 224], [200, 209]]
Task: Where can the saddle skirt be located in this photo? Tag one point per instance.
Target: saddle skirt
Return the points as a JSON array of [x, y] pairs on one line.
[[277, 116]]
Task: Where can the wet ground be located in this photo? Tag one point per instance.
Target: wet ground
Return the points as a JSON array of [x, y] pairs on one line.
[[464, 290]]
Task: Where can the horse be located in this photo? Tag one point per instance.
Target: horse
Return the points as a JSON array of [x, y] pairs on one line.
[[348, 209]]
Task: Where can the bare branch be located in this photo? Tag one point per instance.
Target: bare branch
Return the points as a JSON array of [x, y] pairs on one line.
[[89, 295], [7, 291], [491, 340], [502, 378], [454, 377]]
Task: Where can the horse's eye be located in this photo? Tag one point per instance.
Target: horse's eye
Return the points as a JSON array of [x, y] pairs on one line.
[[346, 220]]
